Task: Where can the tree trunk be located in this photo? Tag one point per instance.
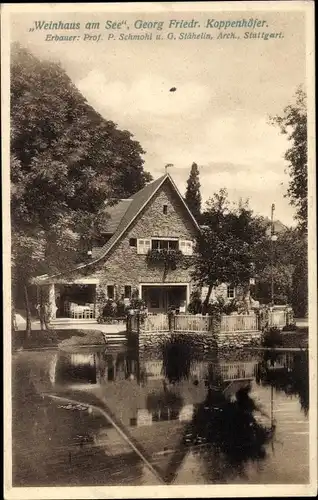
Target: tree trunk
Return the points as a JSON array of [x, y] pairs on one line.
[[41, 310], [13, 318], [247, 298], [206, 300], [27, 311]]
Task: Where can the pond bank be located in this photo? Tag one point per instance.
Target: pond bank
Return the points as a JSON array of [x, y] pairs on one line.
[[61, 338]]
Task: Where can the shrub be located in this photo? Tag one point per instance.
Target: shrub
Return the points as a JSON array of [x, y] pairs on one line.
[[90, 337], [272, 337], [121, 309], [290, 328], [195, 305], [229, 307], [109, 308], [137, 304], [110, 320]]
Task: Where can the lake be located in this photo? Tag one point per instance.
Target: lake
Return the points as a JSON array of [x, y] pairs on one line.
[[174, 415]]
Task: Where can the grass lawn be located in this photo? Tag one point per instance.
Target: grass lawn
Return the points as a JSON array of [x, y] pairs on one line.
[[52, 338]]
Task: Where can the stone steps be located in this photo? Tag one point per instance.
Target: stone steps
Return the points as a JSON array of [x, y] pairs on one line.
[[115, 338], [72, 321]]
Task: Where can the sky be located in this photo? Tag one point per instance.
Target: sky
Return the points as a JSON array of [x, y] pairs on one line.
[[219, 115]]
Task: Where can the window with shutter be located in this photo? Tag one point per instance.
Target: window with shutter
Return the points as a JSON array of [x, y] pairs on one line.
[[182, 246], [189, 248], [143, 246], [186, 247]]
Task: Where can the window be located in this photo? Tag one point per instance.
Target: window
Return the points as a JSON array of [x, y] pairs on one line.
[[165, 209], [127, 292], [186, 247], [110, 291], [143, 246], [133, 242], [164, 244], [230, 292]]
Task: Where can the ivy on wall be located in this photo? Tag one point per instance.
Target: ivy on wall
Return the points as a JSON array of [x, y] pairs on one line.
[[170, 258]]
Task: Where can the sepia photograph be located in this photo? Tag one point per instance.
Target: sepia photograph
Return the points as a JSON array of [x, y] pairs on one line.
[[159, 250]]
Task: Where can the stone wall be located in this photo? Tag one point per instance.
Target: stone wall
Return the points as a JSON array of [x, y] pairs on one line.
[[200, 341], [238, 340]]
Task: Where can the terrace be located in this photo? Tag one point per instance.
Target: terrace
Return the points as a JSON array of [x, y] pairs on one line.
[[186, 323]]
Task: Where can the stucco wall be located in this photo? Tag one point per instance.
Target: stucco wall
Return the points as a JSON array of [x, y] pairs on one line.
[[123, 266]]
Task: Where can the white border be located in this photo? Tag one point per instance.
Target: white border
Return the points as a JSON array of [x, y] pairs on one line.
[[162, 491]]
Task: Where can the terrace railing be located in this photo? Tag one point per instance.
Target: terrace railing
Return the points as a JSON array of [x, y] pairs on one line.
[[236, 371], [239, 323], [191, 323], [155, 323], [184, 323], [277, 318]]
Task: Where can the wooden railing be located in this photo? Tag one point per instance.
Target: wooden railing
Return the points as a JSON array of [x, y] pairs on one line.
[[155, 323], [278, 318], [239, 323], [190, 323], [187, 323], [237, 371]]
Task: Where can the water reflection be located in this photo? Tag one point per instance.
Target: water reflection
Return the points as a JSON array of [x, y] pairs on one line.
[[179, 403], [288, 372], [58, 444], [230, 432]]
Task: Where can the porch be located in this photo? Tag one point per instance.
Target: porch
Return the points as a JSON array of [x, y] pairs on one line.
[[69, 302], [159, 298]]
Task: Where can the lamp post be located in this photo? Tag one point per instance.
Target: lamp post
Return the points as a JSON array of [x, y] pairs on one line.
[[273, 239]]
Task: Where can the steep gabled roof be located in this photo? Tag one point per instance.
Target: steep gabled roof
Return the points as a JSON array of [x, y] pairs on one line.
[[136, 204], [115, 214]]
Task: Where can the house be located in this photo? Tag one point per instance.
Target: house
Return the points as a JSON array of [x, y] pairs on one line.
[[144, 237], [142, 253]]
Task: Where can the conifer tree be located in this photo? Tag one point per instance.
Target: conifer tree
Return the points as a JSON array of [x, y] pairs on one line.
[[193, 195]]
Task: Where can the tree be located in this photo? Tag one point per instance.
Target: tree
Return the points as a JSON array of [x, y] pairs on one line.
[[193, 195], [225, 247], [66, 160], [289, 270], [293, 123]]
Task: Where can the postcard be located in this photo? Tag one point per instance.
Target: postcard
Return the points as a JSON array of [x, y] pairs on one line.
[[160, 312]]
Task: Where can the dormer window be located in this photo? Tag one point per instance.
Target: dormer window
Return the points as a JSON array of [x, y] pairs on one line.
[[165, 209]]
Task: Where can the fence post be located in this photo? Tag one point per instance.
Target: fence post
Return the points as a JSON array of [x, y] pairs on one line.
[[258, 320], [171, 321], [128, 324], [210, 327], [216, 323]]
